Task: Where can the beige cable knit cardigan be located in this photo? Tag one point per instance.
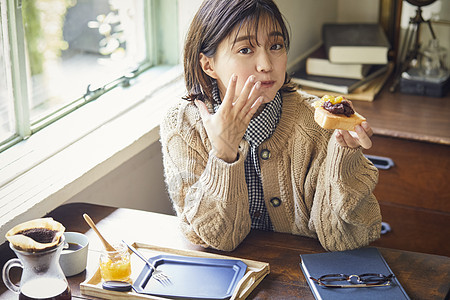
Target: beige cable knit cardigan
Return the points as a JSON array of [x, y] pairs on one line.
[[325, 189]]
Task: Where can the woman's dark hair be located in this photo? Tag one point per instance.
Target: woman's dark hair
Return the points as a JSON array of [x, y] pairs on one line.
[[214, 21]]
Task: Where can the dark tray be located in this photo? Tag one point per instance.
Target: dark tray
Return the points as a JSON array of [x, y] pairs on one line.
[[192, 277]]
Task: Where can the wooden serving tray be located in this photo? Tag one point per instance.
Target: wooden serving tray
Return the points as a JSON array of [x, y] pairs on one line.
[[256, 271]]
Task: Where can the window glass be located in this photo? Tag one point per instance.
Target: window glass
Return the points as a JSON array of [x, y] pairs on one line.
[[73, 43], [7, 122]]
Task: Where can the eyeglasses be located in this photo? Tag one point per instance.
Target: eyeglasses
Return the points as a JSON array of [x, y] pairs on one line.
[[363, 280]]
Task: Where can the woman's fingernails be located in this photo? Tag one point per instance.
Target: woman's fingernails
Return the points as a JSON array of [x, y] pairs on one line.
[[258, 85], [258, 100], [233, 77], [252, 79]]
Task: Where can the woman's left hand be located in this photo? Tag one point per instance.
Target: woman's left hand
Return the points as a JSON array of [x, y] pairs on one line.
[[362, 137]]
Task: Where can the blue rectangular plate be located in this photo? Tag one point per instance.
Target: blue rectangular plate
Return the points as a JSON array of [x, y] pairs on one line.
[[192, 277]]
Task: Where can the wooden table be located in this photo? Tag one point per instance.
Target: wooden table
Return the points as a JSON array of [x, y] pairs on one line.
[[423, 276]]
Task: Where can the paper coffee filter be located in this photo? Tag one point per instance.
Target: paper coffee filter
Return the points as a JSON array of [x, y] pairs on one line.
[[26, 243]]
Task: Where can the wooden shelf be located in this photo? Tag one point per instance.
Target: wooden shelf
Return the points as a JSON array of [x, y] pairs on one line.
[[408, 116]]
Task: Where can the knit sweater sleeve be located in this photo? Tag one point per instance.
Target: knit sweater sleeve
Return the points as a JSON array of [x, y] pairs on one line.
[[209, 195], [345, 213]]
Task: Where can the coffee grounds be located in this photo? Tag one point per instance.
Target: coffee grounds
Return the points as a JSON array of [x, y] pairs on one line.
[[40, 235]]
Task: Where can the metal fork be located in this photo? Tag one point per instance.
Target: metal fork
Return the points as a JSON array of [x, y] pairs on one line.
[[157, 274]]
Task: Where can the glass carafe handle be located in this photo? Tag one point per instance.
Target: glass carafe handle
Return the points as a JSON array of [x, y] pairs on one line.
[[15, 262]]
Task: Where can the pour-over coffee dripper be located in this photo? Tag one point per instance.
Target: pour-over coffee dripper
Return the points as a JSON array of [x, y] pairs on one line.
[[37, 245]]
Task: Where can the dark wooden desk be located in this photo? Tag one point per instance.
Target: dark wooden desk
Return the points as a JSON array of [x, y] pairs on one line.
[[424, 276]]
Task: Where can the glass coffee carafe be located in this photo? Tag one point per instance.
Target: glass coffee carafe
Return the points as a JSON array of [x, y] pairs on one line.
[[42, 276]]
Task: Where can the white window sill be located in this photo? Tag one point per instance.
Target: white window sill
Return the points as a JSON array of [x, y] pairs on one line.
[[53, 165]]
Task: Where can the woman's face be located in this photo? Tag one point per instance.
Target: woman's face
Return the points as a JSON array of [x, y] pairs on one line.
[[243, 56]]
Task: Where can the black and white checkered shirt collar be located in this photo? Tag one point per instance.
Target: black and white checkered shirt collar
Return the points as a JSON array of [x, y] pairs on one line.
[[262, 126]]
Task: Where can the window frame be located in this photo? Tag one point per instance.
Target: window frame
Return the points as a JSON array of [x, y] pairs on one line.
[[18, 63], [44, 170], [6, 54], [24, 128]]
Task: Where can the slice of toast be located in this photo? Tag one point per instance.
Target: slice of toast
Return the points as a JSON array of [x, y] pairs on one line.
[[328, 120]]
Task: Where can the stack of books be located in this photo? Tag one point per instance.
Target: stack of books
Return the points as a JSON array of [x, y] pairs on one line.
[[353, 60]]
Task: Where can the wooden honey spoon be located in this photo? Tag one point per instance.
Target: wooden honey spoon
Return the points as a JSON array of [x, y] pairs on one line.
[[107, 245]]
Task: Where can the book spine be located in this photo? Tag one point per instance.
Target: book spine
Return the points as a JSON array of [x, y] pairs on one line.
[[311, 284], [323, 86]]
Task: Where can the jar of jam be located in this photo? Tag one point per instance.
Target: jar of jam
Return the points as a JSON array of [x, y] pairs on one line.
[[115, 265]]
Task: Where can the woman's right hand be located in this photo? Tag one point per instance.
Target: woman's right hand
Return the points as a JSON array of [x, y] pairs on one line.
[[227, 126]]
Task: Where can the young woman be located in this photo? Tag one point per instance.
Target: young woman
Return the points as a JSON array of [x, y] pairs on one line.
[[242, 149]]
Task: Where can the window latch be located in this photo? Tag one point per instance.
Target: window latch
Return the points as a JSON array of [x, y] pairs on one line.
[[92, 94], [126, 79]]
